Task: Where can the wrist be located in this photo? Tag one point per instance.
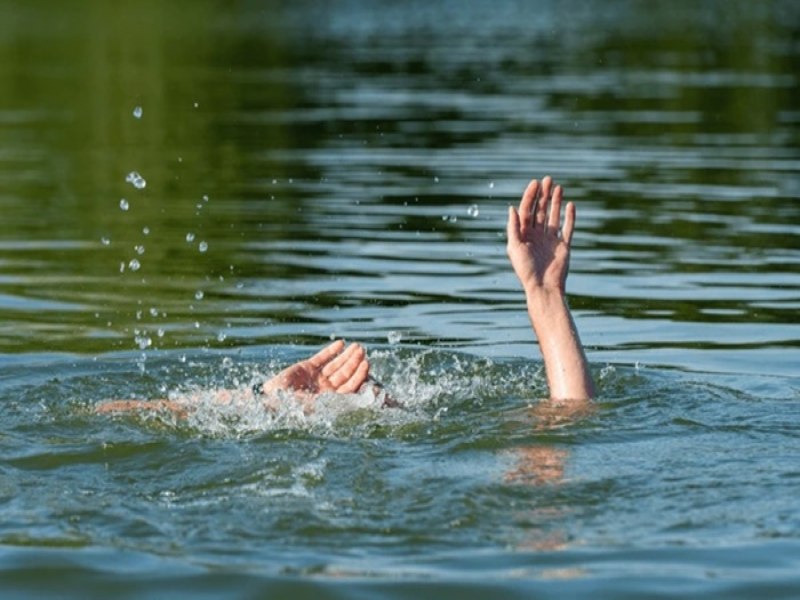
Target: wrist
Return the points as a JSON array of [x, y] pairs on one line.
[[539, 294]]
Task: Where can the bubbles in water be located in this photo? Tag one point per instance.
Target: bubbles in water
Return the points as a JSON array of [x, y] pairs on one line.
[[137, 112], [199, 295], [136, 180], [473, 211], [123, 204], [394, 337], [134, 265], [202, 246], [105, 241], [190, 237]]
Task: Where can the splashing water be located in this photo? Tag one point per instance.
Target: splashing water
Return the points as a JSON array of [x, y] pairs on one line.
[[136, 180]]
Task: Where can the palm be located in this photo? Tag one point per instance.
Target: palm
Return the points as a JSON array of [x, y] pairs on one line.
[[330, 370], [538, 250]]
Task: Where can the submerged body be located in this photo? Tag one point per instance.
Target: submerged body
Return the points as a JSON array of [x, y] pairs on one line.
[[539, 250]]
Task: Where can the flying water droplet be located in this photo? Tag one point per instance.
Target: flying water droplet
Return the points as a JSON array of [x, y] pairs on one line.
[[138, 112], [134, 265], [202, 246], [199, 295], [491, 185], [221, 337], [190, 237], [123, 204], [139, 250], [473, 211], [146, 231], [394, 337], [105, 241], [136, 180]]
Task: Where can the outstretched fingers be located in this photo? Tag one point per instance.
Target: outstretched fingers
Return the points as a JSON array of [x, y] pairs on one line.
[[569, 224], [327, 354], [544, 201], [554, 218], [356, 379], [526, 206], [513, 226], [339, 361]]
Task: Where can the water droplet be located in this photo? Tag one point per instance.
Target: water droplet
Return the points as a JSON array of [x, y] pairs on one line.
[[153, 311], [435, 180], [105, 241], [137, 112], [146, 231], [221, 336], [196, 104], [136, 180], [394, 337], [491, 185], [453, 219], [199, 295], [205, 197], [202, 246], [473, 211], [160, 332], [122, 267], [197, 324], [190, 237], [123, 204], [182, 358], [134, 265], [139, 250]]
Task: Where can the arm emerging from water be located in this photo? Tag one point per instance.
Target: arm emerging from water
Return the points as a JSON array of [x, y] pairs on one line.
[[539, 248], [333, 369]]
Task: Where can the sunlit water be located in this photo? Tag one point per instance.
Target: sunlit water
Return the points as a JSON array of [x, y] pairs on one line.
[[193, 197]]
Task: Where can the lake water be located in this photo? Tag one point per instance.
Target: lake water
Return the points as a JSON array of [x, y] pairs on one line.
[[194, 195]]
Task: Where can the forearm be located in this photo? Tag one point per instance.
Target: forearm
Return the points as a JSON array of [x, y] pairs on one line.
[[567, 370]]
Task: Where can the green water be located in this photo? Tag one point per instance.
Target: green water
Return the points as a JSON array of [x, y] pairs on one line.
[[315, 170]]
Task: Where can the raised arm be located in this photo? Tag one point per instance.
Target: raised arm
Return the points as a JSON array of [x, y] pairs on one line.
[[539, 247]]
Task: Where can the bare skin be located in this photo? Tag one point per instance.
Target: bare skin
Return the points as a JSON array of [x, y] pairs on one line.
[[334, 369], [539, 248]]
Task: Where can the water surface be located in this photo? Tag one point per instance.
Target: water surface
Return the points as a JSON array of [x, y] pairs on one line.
[[313, 171]]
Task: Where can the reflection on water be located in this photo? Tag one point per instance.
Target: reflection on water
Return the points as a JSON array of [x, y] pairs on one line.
[[343, 169]]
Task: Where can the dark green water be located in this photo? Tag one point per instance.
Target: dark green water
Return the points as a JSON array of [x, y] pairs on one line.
[[324, 169]]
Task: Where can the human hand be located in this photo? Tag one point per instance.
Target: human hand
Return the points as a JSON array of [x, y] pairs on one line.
[[538, 246], [332, 369]]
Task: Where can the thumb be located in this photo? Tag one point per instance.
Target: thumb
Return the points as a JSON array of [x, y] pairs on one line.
[[512, 228]]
